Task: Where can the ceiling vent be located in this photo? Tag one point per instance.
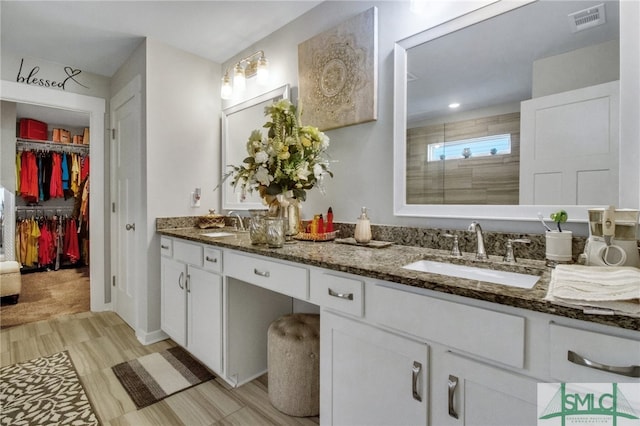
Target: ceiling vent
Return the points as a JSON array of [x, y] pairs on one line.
[[587, 18]]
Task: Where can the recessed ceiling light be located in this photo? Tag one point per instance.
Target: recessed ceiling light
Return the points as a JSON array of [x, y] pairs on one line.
[[454, 105]]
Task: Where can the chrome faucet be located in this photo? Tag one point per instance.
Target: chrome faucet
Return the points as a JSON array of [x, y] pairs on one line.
[[239, 223], [481, 254]]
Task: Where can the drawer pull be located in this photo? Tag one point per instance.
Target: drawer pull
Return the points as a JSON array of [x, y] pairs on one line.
[[629, 371], [211, 259], [415, 373], [261, 273], [348, 296], [451, 386], [162, 246]]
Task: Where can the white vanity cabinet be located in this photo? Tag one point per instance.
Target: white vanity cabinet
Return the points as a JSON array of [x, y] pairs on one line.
[[191, 312], [389, 353], [466, 391], [369, 376]]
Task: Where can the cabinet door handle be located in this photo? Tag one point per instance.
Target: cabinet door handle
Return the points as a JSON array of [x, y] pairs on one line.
[[348, 296], [261, 273], [180, 280], [452, 385], [188, 283], [211, 259], [415, 373], [164, 247], [130, 227], [629, 371]]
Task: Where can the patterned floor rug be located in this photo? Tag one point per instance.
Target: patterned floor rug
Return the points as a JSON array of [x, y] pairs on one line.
[[153, 377], [44, 391]]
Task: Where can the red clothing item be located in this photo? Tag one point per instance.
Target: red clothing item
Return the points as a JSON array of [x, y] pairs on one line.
[[71, 246], [84, 169], [29, 177], [45, 246], [55, 188]]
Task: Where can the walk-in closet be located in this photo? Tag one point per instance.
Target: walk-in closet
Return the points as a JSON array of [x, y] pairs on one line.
[[46, 210]]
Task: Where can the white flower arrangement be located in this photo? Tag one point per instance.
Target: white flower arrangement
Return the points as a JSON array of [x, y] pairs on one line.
[[290, 160]]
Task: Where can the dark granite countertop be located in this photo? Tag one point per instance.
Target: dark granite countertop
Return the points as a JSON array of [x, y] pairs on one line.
[[386, 264]]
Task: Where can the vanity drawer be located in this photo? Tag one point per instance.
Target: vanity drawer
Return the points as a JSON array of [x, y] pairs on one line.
[[166, 247], [189, 253], [591, 347], [213, 259], [337, 292], [492, 335], [279, 277]]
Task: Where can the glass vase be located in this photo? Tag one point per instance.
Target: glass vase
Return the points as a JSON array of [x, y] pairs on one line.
[[257, 226]]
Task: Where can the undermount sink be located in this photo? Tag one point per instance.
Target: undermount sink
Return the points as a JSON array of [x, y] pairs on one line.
[[513, 279], [218, 234]]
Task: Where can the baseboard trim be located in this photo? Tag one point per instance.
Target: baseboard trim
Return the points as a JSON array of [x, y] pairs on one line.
[[152, 337]]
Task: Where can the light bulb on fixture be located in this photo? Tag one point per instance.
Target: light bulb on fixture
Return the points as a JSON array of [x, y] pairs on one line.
[[254, 64], [226, 91], [454, 105], [263, 70], [239, 80]]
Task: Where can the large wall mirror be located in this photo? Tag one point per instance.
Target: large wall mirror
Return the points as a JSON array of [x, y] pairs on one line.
[[536, 125], [238, 122]]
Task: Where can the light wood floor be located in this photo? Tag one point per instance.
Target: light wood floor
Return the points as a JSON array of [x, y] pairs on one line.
[[98, 341]]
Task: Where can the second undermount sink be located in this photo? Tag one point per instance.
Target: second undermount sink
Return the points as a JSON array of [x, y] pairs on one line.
[[218, 234], [513, 279]]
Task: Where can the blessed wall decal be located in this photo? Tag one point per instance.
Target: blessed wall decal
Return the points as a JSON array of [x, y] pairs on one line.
[[33, 79]]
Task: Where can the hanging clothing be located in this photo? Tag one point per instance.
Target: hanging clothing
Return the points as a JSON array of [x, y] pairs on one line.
[[29, 177], [84, 172], [18, 168], [75, 174], [46, 176], [55, 189], [65, 172], [71, 246]]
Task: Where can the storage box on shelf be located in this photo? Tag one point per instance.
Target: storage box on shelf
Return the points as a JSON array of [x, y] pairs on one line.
[[33, 129]]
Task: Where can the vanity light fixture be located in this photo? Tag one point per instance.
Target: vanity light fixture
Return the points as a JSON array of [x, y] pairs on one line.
[[254, 64]]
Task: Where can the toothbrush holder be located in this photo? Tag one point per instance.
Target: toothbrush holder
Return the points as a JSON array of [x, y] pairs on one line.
[[558, 246]]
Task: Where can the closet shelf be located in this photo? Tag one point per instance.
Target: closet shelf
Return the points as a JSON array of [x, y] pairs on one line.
[[48, 146]]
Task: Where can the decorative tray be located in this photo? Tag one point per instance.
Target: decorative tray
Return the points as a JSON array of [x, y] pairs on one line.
[[372, 243], [306, 236]]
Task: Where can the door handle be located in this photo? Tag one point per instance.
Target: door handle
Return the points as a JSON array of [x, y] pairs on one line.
[[180, 280], [188, 282], [415, 372], [130, 227], [629, 371], [451, 386]]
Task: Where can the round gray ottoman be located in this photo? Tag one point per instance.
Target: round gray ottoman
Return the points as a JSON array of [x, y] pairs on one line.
[[294, 364]]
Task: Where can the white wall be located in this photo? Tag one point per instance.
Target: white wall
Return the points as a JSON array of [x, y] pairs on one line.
[[364, 169], [182, 147]]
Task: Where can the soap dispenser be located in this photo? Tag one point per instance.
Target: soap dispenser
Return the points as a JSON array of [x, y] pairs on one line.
[[363, 228]]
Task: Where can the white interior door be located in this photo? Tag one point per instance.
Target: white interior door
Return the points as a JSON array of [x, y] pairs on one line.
[[569, 147], [125, 198]]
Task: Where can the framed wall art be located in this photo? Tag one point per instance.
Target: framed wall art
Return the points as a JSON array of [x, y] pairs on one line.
[[338, 74]]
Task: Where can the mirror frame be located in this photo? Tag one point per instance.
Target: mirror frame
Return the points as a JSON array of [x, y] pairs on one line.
[[577, 213], [228, 202]]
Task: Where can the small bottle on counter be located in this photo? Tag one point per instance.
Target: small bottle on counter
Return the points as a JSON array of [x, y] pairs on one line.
[[329, 226], [363, 228], [321, 229]]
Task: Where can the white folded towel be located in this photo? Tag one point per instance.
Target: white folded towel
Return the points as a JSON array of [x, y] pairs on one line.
[[616, 288]]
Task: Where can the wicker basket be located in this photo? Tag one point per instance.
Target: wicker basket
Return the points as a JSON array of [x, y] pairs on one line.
[[211, 220], [306, 236]]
